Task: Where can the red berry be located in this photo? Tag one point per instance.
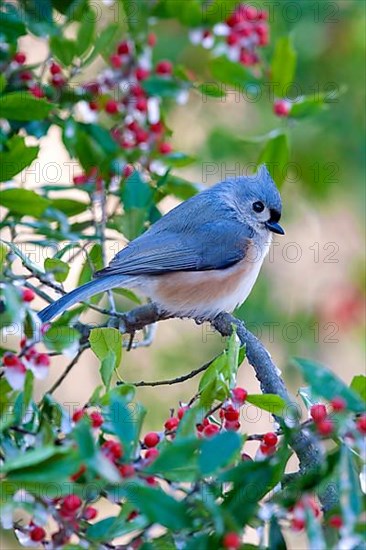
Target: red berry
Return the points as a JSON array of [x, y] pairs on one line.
[[298, 524], [281, 107], [318, 412], [132, 515], [171, 423], [90, 513], [111, 107], [151, 40], [93, 105], [181, 412], [55, 68], [165, 148], [338, 404], [232, 425], [128, 169], [96, 419], [231, 541], [141, 135], [270, 439], [230, 413], [200, 427], [248, 58], [80, 179], [250, 12], [37, 534], [116, 61], [239, 395], [232, 39], [112, 449], [336, 522], [28, 295], [78, 415], [126, 470], [164, 67], [36, 91], [20, 58], [58, 81], [262, 15], [123, 48], [151, 454], [71, 503], [141, 73], [211, 430], [150, 480], [361, 424], [43, 360], [26, 76], [266, 450], [141, 104], [151, 439], [157, 127], [325, 427], [11, 360]]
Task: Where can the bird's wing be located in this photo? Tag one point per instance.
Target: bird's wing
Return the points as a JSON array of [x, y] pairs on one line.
[[214, 245]]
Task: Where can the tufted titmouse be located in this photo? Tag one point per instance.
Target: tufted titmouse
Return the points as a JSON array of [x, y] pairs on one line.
[[201, 258]]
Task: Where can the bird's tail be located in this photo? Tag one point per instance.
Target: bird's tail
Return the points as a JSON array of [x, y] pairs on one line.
[[82, 293]]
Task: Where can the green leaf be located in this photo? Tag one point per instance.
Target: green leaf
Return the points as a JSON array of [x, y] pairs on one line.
[[104, 42], [113, 527], [314, 530], [269, 402], [211, 89], [58, 268], [24, 106], [219, 378], [3, 255], [283, 65], [93, 263], [131, 224], [24, 202], [14, 308], [106, 343], [128, 294], [61, 337], [275, 156], [126, 421], [358, 385], [16, 157], [217, 10], [63, 49], [228, 72], [349, 488], [326, 384], [275, 539], [29, 458], [158, 506], [136, 192], [3, 83], [69, 207], [210, 460], [86, 32], [60, 465], [311, 105], [178, 460], [162, 87], [179, 159]]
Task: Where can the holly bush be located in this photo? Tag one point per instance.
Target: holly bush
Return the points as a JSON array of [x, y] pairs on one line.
[[105, 88]]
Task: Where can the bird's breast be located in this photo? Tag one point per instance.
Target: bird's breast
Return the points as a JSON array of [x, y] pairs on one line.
[[207, 293]]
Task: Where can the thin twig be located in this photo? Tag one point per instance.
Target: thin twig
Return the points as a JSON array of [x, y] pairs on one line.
[[177, 380], [66, 371]]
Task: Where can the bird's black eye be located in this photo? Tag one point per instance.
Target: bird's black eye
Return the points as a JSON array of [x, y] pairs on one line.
[[258, 206]]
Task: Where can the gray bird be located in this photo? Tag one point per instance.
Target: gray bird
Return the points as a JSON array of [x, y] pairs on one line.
[[201, 258]]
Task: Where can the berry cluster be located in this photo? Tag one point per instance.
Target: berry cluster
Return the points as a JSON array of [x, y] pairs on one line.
[[298, 519], [244, 32], [16, 366]]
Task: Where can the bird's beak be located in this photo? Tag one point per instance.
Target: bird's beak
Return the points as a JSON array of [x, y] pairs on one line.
[[274, 227]]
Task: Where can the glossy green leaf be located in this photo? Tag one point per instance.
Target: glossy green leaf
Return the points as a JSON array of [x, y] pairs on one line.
[[126, 419], [358, 385], [314, 530], [283, 65], [210, 460], [136, 192], [86, 32], [106, 343], [24, 106], [327, 384], [24, 202], [178, 460], [163, 87], [276, 540], [104, 42], [16, 157], [69, 207], [58, 268], [112, 527], [275, 156], [269, 402], [63, 49], [107, 368], [228, 72], [61, 338], [211, 89]]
